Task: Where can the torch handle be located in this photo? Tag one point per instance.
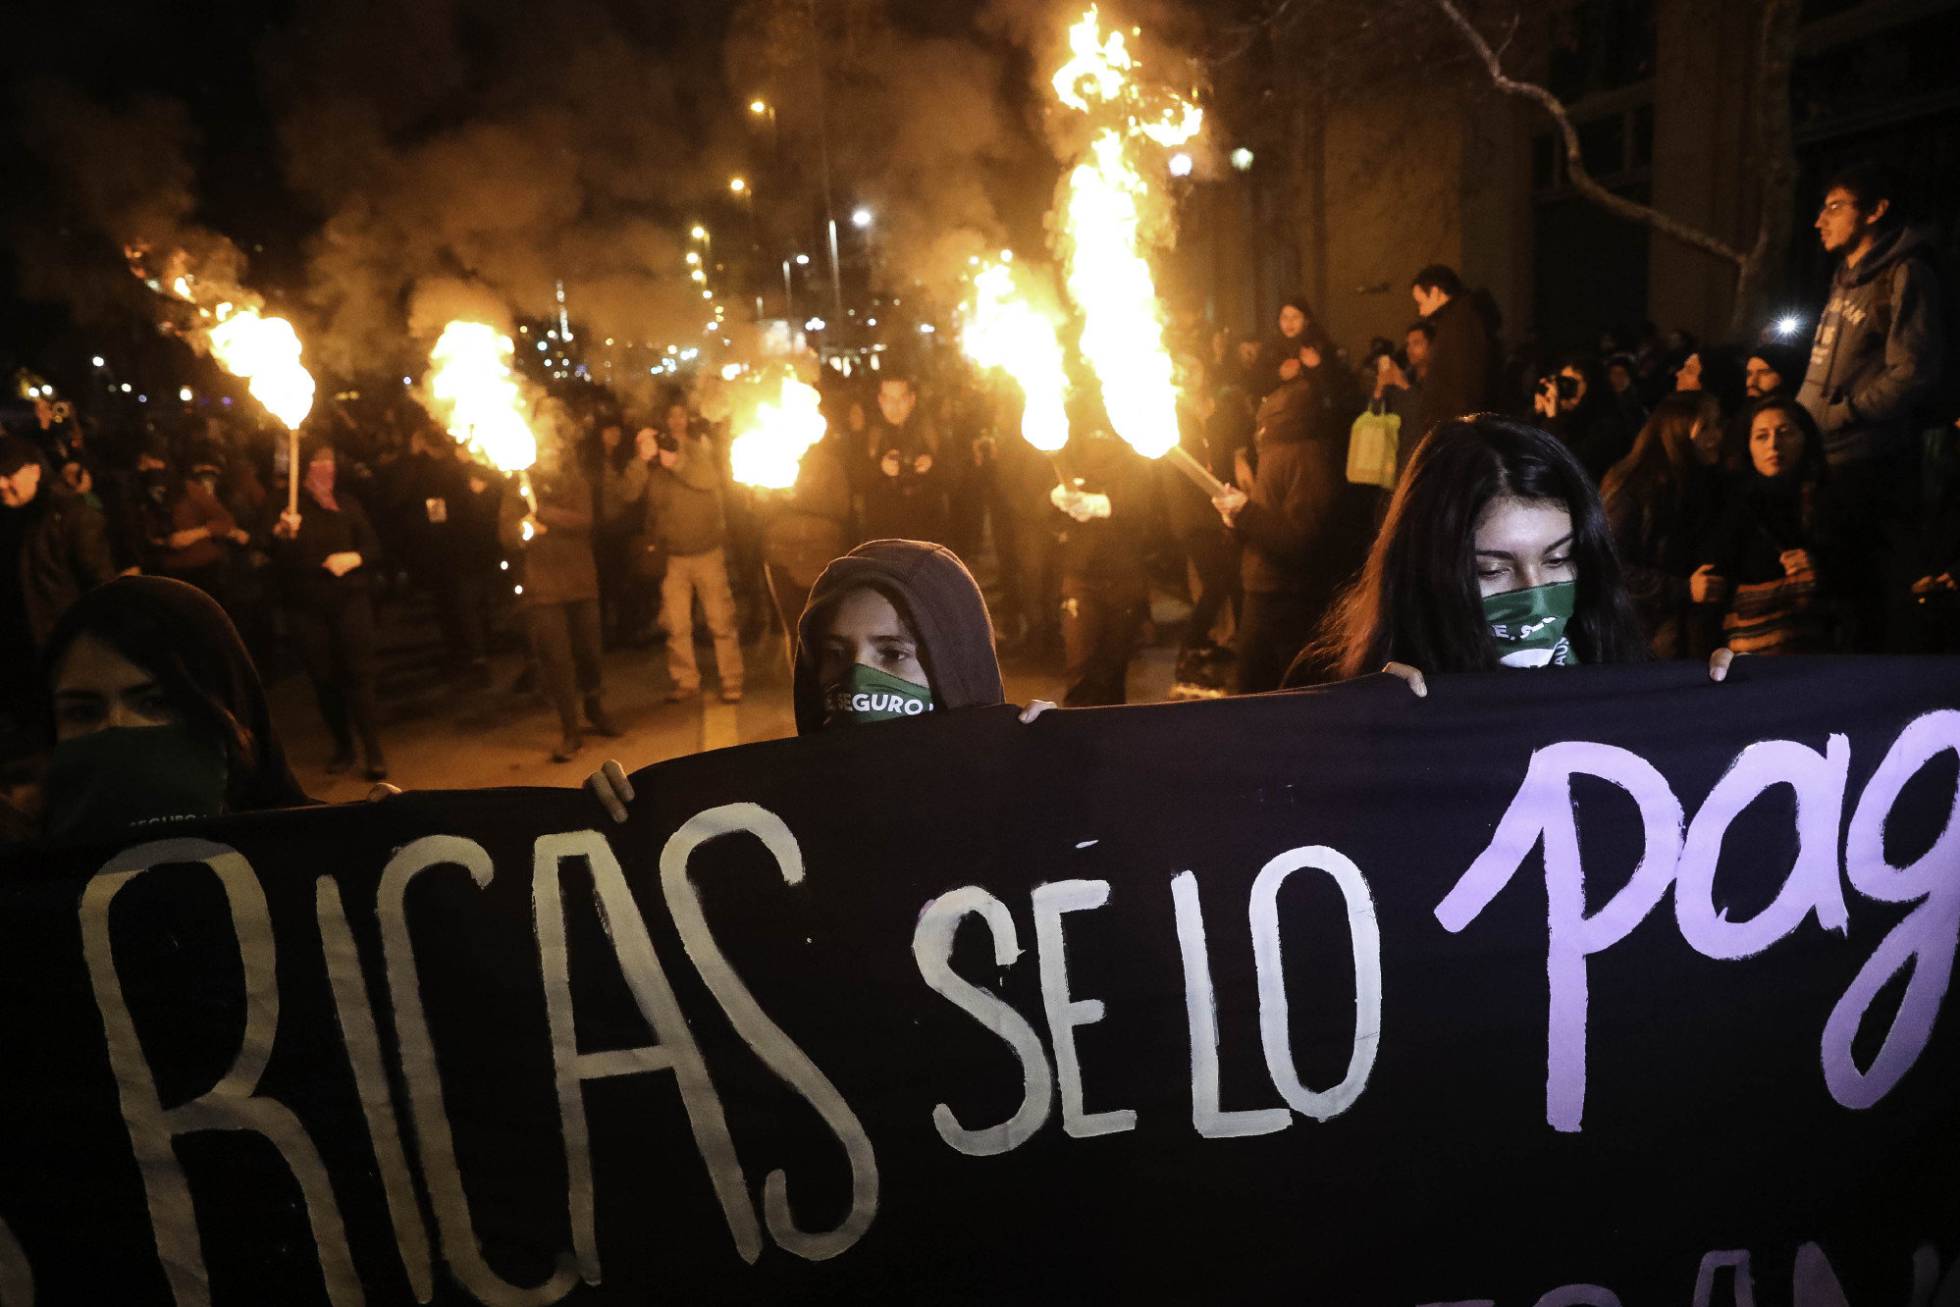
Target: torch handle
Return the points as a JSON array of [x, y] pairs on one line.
[[524, 488], [1181, 459], [292, 471]]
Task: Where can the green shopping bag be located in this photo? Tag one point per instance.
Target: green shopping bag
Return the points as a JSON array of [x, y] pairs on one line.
[[1372, 442]]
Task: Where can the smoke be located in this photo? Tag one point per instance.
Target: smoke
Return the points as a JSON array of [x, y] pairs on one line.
[[114, 177], [543, 144]]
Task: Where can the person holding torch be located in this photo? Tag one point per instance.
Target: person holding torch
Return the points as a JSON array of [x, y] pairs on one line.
[[324, 549]]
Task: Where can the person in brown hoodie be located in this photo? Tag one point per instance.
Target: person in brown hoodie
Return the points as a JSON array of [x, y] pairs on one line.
[[895, 628]]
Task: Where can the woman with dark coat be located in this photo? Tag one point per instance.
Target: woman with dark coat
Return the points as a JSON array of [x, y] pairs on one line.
[[1302, 349], [1660, 501], [1303, 530], [1770, 556], [325, 553], [157, 712]]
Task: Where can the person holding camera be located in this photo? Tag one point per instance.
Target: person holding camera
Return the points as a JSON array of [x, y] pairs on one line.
[[1578, 406], [687, 520]]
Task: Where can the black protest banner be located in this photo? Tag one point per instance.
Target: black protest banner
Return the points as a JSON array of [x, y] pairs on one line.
[[1581, 987]]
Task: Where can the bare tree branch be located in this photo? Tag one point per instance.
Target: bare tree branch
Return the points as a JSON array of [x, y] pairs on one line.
[[1582, 180]]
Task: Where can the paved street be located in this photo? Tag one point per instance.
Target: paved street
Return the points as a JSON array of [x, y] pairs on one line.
[[440, 734]]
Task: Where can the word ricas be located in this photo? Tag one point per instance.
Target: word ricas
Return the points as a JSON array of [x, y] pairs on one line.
[[234, 1103]]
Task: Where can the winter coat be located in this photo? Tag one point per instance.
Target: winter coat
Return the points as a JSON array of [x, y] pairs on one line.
[[1876, 355], [64, 553], [193, 507], [1659, 539], [1105, 555], [684, 509], [1772, 610], [1458, 379], [812, 526], [911, 505], [558, 564], [322, 531], [1303, 529]]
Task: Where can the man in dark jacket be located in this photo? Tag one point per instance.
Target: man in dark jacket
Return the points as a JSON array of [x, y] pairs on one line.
[[1874, 362], [904, 485], [1458, 378]]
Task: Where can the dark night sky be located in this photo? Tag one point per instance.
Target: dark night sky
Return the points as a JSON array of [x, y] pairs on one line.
[[359, 153]]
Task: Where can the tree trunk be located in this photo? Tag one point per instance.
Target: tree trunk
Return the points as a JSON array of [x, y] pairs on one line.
[[1776, 165]]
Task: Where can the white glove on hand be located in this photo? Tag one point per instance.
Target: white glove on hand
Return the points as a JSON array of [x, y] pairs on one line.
[[1080, 504]]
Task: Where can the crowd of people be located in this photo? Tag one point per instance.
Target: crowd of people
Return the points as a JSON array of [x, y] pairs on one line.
[[1659, 498]]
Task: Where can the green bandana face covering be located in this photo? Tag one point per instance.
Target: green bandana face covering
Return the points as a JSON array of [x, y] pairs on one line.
[[869, 695], [104, 783], [1528, 626]]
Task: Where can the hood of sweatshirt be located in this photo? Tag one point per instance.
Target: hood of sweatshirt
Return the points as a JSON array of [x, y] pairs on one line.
[[1888, 249], [936, 595]]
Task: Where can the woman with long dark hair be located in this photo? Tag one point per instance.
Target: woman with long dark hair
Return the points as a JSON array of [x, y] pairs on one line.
[[1495, 552], [1660, 503], [1770, 556], [157, 712]]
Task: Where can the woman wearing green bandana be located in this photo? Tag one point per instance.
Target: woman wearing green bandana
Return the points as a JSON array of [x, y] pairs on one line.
[[894, 629], [1495, 553]]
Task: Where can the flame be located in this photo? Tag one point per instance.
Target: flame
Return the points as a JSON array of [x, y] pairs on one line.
[[1106, 204], [1004, 330], [768, 452], [265, 352], [475, 394]]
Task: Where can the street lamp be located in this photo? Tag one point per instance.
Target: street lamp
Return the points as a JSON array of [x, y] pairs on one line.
[[738, 185], [802, 260], [1242, 159], [1181, 165], [758, 107], [861, 218], [698, 232]]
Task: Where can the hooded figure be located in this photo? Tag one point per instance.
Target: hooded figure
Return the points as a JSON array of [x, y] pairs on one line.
[[184, 640], [939, 600]]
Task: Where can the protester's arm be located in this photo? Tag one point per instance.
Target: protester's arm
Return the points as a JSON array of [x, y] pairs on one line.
[[566, 513], [1281, 522], [1912, 354], [1647, 586]]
